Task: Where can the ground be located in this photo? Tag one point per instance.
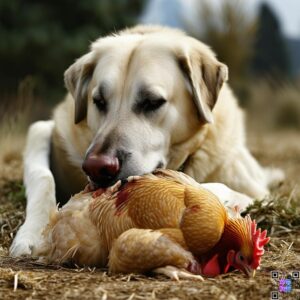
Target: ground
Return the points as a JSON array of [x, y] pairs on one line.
[[280, 214]]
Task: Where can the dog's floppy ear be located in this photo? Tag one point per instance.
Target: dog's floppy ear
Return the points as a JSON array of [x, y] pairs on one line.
[[77, 79], [206, 76]]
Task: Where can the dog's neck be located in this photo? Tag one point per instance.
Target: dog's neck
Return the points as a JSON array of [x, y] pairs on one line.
[[181, 153]]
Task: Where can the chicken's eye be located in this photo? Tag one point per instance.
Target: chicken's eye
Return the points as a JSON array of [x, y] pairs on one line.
[[241, 257]]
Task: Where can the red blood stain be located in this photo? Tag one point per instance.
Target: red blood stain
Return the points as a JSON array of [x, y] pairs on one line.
[[122, 197]]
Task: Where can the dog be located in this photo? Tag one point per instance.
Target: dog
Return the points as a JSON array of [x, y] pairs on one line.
[[144, 98]]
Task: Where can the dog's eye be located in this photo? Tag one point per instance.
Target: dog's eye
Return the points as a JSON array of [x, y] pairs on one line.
[[149, 105], [100, 103]]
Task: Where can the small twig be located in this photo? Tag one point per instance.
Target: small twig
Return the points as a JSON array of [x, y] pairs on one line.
[[131, 296], [104, 296], [16, 279], [291, 196], [153, 295]]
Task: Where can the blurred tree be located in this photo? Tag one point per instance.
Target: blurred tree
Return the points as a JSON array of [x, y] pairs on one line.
[[271, 56], [41, 38], [229, 31]]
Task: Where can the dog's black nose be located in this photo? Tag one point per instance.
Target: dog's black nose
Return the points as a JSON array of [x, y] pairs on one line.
[[101, 169]]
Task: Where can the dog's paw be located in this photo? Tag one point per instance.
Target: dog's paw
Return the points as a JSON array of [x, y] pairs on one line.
[[26, 243]]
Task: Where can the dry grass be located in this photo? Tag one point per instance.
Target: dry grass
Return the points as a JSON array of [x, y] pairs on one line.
[[280, 214], [12, 142]]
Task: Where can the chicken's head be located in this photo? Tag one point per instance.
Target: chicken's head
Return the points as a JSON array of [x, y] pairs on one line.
[[251, 246], [240, 247]]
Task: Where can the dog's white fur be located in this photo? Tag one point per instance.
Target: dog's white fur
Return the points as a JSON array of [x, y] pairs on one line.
[[214, 152]]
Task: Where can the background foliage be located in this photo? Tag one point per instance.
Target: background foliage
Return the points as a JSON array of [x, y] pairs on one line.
[[40, 39], [270, 56]]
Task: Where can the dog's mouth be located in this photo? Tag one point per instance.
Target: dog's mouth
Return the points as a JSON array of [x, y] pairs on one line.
[[109, 181], [105, 183]]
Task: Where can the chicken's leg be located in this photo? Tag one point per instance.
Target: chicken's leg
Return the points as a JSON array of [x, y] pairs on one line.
[[176, 274], [162, 251]]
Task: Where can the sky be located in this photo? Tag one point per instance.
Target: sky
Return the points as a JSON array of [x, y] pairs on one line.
[[288, 12]]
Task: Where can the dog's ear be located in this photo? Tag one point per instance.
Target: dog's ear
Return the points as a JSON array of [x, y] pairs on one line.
[[77, 79], [206, 75]]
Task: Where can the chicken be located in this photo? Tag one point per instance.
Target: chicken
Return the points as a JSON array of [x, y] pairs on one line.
[[163, 222]]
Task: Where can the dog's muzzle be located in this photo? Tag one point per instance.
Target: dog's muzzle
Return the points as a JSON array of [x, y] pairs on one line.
[[102, 169]]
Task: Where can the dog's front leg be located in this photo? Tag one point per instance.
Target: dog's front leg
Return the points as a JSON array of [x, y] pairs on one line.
[[40, 189]]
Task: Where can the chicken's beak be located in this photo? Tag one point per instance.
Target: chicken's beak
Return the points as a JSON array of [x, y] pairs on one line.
[[249, 272]]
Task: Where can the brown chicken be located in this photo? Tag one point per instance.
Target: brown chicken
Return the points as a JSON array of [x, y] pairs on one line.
[[163, 222]]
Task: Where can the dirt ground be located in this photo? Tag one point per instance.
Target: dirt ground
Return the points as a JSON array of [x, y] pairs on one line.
[[27, 279]]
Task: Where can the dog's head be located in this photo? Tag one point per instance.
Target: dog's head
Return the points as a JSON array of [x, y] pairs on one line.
[[140, 93]]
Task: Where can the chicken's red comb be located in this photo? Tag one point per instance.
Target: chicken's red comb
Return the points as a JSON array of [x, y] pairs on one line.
[[259, 240]]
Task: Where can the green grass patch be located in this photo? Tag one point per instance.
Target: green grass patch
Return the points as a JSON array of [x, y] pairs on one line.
[[14, 191], [279, 214]]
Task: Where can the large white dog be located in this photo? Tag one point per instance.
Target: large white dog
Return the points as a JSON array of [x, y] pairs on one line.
[[144, 98]]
